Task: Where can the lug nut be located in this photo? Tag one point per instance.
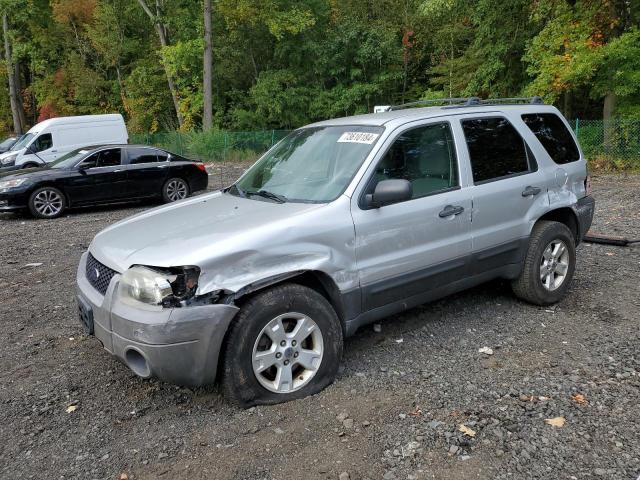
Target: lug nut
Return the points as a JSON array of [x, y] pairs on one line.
[[283, 343], [295, 355], [293, 344], [278, 355], [286, 362]]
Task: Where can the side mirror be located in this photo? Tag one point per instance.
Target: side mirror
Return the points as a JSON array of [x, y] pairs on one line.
[[388, 192]]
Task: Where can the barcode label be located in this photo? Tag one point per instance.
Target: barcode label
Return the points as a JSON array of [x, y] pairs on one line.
[[358, 137]]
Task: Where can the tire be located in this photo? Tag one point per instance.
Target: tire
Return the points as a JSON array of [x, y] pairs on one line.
[[175, 189], [544, 280], [31, 165], [295, 305], [47, 202]]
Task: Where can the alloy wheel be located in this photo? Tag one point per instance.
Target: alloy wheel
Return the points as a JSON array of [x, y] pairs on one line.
[[176, 190], [287, 353], [48, 203], [554, 265]]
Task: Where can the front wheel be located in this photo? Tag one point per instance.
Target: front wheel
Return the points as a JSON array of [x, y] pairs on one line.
[[549, 264], [175, 189], [286, 343], [47, 202]]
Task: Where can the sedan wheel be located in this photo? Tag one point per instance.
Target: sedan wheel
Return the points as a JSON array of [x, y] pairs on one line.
[[175, 189], [47, 202]]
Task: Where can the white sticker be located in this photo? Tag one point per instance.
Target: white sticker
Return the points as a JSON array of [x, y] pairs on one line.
[[358, 137]]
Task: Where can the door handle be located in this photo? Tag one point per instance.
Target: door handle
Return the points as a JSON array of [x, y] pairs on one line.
[[451, 210], [531, 191], [54, 151]]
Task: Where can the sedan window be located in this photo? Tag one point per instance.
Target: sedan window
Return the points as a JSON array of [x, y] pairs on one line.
[[109, 158], [143, 155]]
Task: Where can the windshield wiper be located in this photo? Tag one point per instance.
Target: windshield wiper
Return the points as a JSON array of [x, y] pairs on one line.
[[241, 192], [270, 195]]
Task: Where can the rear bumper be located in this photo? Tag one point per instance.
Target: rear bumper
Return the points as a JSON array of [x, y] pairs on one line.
[[584, 210], [177, 345]]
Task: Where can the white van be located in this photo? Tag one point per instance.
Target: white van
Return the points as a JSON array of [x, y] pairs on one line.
[[54, 137]]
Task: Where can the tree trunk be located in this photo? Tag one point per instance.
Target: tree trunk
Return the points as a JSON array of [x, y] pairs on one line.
[[162, 36], [17, 110], [207, 87], [607, 113]]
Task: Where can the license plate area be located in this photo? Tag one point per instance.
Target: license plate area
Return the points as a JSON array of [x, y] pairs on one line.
[[85, 312]]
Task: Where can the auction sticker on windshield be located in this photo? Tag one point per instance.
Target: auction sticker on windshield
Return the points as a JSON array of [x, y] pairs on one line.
[[358, 137]]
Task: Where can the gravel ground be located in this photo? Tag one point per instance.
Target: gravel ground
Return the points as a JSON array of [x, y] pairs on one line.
[[394, 412]]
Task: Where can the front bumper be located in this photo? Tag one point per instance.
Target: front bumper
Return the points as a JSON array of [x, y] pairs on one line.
[[584, 210], [15, 199], [177, 345]]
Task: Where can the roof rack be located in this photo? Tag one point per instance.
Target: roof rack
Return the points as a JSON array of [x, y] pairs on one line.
[[461, 102]]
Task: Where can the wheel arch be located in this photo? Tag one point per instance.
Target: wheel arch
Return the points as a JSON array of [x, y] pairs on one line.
[[566, 216]]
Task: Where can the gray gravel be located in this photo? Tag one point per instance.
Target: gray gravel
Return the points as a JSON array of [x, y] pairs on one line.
[[396, 409]]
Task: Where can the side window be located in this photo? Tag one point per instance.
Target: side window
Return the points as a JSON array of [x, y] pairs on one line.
[[425, 156], [554, 136], [496, 149], [109, 158], [43, 142], [91, 161], [162, 156], [143, 155]]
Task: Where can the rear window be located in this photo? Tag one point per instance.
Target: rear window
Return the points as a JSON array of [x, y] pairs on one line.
[[553, 135]]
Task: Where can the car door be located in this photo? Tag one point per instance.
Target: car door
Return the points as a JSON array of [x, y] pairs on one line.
[[147, 170], [409, 248], [41, 150], [100, 178], [508, 189]]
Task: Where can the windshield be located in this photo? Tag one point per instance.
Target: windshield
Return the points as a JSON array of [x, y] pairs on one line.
[[23, 140], [70, 159], [8, 142], [312, 165]]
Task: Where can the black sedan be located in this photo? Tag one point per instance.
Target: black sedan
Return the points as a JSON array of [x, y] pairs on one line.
[[99, 175]]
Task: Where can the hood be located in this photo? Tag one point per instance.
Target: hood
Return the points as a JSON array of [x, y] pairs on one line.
[[37, 173], [11, 152], [191, 232]]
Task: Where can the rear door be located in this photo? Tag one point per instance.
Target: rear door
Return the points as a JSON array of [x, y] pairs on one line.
[[102, 178], [147, 170], [508, 190], [412, 247]]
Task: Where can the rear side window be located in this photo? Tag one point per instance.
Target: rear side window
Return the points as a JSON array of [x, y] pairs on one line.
[[143, 155], [496, 149], [553, 135]]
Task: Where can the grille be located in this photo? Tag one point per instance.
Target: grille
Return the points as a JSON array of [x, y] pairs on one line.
[[99, 275]]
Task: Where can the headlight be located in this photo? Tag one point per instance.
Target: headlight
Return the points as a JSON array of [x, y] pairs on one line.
[[7, 184], [10, 160], [158, 287]]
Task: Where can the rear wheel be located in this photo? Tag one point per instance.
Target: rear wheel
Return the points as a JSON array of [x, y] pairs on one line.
[[175, 189], [47, 202], [286, 343], [549, 264]]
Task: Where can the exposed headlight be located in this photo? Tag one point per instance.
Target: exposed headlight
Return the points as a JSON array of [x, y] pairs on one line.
[[158, 287], [8, 184], [10, 160]]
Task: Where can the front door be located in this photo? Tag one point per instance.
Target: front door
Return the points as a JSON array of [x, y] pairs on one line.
[[508, 190], [101, 178], [409, 248]]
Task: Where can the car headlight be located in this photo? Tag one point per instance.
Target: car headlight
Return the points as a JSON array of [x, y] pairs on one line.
[[158, 286], [8, 184], [9, 160]]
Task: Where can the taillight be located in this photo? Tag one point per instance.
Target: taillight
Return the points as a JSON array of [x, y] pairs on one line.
[[201, 167], [587, 185]]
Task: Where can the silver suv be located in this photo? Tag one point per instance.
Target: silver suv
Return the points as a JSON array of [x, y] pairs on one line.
[[340, 224]]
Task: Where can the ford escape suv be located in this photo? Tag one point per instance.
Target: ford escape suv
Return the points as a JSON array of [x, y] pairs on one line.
[[341, 223]]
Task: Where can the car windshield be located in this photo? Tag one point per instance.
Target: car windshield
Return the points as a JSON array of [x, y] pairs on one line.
[[22, 141], [70, 159], [313, 165]]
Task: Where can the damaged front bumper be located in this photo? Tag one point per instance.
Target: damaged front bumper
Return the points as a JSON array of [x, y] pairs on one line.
[[177, 345]]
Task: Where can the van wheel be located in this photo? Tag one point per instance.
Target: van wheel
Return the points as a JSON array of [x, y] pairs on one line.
[[31, 165], [175, 189], [286, 343], [548, 266], [47, 202]]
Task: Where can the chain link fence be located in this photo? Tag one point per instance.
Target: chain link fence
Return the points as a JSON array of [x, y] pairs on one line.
[[611, 145]]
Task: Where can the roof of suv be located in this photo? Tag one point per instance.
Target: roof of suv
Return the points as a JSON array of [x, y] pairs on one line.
[[394, 118]]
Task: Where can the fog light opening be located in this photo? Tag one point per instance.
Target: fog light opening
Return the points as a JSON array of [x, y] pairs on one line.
[[136, 362]]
